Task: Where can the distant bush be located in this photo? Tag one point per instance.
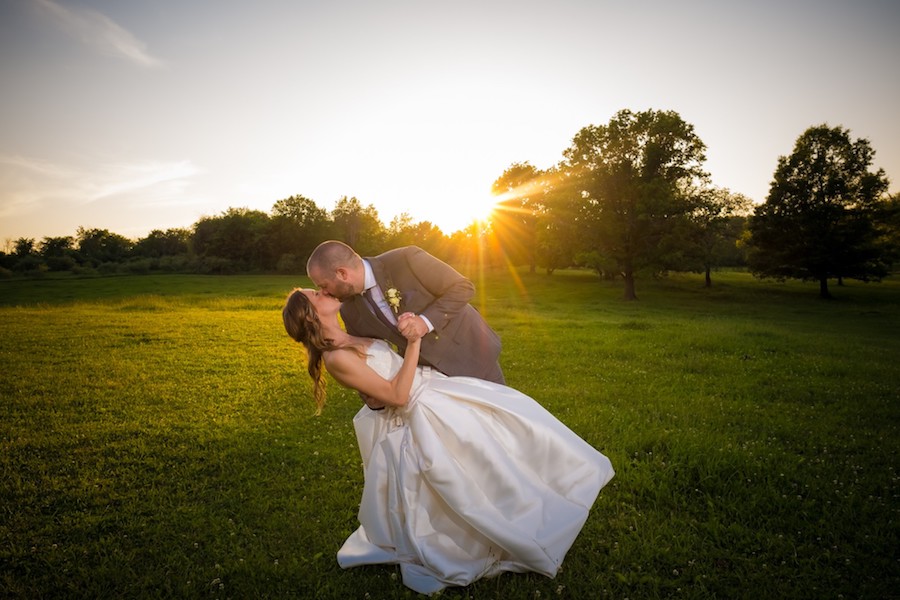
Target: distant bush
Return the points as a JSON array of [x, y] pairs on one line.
[[61, 263], [140, 266], [29, 264], [176, 264], [108, 268], [290, 263]]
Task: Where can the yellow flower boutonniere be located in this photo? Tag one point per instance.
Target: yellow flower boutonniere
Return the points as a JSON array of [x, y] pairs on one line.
[[393, 298]]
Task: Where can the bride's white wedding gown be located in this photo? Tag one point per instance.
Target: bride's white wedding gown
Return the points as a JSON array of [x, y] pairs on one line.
[[470, 479]]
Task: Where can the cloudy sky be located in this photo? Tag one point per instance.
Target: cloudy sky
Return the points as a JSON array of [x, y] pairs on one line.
[[133, 116]]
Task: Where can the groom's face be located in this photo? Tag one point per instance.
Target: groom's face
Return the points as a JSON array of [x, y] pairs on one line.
[[337, 284]]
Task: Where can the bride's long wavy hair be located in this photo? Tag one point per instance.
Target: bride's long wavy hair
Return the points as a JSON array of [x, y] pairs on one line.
[[302, 323]]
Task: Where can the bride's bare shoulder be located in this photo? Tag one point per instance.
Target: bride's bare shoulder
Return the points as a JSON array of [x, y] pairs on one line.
[[346, 356]]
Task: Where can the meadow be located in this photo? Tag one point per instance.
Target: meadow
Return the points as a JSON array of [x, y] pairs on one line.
[[157, 439]]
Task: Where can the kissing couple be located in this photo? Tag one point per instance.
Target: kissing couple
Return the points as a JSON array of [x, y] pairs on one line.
[[464, 477]]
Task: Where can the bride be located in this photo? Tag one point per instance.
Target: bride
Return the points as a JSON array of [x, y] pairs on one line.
[[464, 478]]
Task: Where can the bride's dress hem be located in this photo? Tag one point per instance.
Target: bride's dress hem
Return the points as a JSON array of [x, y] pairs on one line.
[[469, 480]]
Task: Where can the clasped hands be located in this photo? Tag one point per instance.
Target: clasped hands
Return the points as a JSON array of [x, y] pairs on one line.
[[411, 326]]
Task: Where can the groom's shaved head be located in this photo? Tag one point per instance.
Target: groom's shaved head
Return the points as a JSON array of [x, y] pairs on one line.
[[329, 256], [336, 270]]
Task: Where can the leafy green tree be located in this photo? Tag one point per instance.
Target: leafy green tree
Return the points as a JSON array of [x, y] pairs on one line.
[[474, 249], [98, 246], [403, 231], [237, 235], [298, 225], [516, 214], [23, 247], [158, 243], [889, 227], [561, 218], [712, 232], [358, 226], [824, 215], [25, 257], [301, 210], [59, 252], [632, 173], [57, 246]]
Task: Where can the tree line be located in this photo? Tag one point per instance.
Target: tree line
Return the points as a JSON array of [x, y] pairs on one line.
[[629, 197]]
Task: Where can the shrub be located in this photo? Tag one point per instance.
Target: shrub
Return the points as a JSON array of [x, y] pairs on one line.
[[61, 263], [140, 266], [177, 263], [29, 263], [290, 263], [108, 268]]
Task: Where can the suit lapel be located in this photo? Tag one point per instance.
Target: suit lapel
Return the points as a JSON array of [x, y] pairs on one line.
[[366, 323], [378, 271]]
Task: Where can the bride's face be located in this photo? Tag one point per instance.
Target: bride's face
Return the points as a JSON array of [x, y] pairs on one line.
[[323, 304]]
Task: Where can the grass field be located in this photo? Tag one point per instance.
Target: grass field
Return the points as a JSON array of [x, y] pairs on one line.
[[157, 439]]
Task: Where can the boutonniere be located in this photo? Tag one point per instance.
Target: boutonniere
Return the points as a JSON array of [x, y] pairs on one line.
[[393, 299]]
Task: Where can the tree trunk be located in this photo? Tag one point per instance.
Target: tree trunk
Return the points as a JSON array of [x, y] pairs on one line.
[[629, 284], [823, 289], [708, 278]]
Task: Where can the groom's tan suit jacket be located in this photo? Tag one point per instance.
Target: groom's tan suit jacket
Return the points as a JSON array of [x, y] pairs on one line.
[[462, 343]]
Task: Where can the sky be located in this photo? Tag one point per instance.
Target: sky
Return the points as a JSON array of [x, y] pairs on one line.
[[132, 116]]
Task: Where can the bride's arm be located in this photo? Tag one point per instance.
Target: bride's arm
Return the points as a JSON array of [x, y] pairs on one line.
[[350, 370]]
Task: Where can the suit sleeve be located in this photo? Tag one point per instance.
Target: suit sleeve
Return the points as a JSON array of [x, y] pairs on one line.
[[452, 292]]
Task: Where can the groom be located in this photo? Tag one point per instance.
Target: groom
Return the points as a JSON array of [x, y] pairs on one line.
[[373, 291]]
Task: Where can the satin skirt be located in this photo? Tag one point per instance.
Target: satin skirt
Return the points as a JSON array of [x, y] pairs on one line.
[[470, 479]]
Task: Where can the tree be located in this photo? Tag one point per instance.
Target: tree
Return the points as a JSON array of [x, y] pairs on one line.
[[357, 226], [474, 249], [712, 233], [58, 252], [24, 256], [889, 227], [98, 246], [561, 219], [302, 211], [298, 226], [632, 173], [23, 247], [402, 231], [824, 215], [515, 217], [237, 235], [158, 243]]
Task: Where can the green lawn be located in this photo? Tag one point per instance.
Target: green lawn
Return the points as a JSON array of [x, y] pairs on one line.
[[157, 439]]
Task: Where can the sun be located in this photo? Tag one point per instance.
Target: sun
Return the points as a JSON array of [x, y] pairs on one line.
[[461, 212], [483, 209]]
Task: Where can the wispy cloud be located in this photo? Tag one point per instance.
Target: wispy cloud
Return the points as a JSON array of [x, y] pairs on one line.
[[29, 184], [125, 178], [96, 29]]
